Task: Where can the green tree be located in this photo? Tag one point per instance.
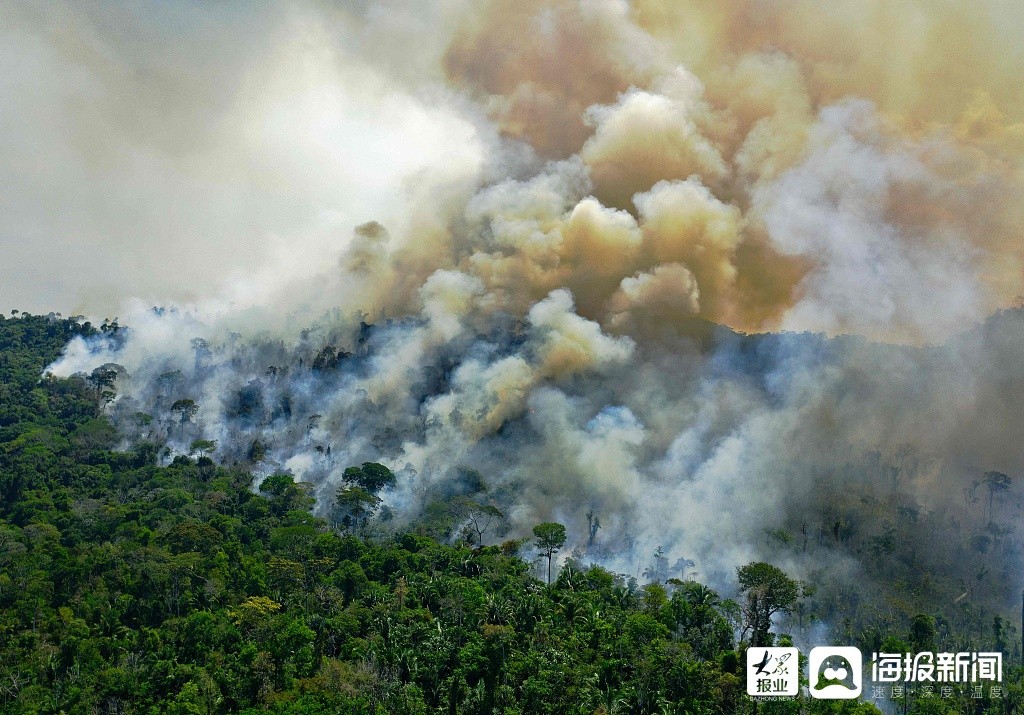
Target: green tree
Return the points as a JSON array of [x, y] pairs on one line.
[[922, 632], [768, 590], [353, 506], [185, 409], [370, 476], [286, 494], [549, 539], [202, 446], [103, 382]]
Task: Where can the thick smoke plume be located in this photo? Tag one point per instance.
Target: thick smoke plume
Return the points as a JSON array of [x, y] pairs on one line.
[[579, 207]]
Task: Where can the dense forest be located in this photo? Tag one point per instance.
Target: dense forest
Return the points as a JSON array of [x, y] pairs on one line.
[[132, 583]]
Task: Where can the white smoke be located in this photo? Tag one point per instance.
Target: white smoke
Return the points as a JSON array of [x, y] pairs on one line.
[[525, 252]]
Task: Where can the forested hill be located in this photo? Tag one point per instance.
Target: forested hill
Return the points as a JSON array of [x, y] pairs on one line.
[[126, 587]]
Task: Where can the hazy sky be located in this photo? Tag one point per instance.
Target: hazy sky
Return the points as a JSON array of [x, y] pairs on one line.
[[804, 165], [152, 149]]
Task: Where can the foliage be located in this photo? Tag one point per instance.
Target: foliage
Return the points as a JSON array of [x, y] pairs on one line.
[[370, 476], [550, 537], [132, 588], [768, 591]]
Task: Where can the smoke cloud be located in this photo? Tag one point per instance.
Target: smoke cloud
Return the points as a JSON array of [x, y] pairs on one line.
[[552, 241]]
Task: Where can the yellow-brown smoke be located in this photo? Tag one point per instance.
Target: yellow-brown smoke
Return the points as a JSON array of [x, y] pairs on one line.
[[715, 149]]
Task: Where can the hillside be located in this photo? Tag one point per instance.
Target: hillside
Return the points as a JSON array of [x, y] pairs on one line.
[[133, 588]]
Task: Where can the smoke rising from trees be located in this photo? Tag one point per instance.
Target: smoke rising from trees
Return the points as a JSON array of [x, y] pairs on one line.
[[526, 239]]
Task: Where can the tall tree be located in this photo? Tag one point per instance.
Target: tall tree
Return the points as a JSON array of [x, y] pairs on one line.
[[103, 382], [768, 591], [353, 506], [480, 517], [202, 446], [996, 482], [550, 538], [593, 524], [370, 476], [186, 409]]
